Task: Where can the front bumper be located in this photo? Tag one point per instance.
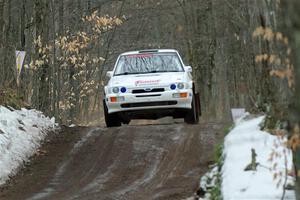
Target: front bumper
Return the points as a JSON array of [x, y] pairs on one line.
[[166, 99]]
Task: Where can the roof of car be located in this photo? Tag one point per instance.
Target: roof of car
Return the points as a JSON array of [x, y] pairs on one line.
[[150, 51]]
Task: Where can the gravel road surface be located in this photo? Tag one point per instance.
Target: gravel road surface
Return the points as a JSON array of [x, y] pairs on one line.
[[158, 161]]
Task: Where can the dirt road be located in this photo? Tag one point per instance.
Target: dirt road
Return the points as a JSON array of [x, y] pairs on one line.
[[131, 162]]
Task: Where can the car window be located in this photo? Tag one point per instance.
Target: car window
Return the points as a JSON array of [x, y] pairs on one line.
[[148, 63]]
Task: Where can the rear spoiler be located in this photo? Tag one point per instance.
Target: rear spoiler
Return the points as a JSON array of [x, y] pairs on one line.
[[149, 51]]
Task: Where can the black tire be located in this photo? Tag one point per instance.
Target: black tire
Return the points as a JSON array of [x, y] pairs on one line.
[[111, 120], [198, 104], [126, 121], [192, 116]]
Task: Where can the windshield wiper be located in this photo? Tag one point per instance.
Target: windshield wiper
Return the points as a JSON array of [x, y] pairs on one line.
[[127, 73], [155, 71]]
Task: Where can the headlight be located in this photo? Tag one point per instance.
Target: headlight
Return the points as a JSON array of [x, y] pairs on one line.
[[115, 90], [180, 85]]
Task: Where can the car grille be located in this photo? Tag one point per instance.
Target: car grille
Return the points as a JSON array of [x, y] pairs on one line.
[[139, 91], [146, 104], [149, 95]]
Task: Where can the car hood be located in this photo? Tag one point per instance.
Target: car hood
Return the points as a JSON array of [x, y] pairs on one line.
[[141, 80]]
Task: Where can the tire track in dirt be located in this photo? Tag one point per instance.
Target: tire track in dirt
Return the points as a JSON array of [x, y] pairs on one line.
[[129, 162]]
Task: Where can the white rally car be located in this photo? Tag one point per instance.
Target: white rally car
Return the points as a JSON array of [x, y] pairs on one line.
[[150, 84]]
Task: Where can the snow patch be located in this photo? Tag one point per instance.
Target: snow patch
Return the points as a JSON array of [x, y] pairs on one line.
[[207, 182], [260, 184], [21, 133]]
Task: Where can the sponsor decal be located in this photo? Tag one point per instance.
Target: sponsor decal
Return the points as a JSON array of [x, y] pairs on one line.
[[146, 82], [140, 55]]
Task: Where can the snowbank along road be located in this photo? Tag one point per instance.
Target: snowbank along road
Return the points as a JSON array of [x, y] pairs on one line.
[[130, 162]]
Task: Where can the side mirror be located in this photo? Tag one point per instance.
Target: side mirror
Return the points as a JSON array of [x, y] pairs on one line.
[[188, 69], [109, 74]]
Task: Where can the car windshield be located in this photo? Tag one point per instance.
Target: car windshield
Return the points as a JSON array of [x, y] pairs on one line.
[[148, 63]]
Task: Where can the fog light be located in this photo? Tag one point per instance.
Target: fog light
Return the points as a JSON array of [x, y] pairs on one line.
[[123, 89], [173, 86], [121, 98], [176, 95]]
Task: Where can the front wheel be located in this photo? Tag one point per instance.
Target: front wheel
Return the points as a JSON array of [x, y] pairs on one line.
[[126, 121], [111, 120], [192, 116]]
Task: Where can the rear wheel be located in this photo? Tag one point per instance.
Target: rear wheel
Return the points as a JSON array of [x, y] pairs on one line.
[[111, 120], [192, 116]]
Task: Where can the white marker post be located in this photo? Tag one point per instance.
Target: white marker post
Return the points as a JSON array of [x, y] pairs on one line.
[[237, 113], [20, 56]]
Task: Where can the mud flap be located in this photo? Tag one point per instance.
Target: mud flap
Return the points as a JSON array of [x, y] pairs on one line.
[[198, 104]]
